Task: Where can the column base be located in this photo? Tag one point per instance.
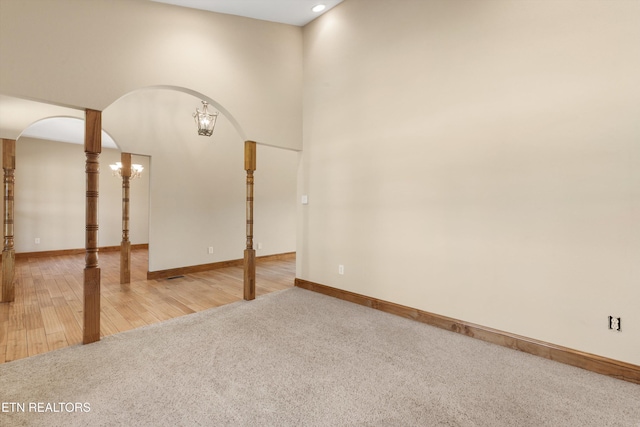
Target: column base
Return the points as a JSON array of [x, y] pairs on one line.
[[91, 331], [8, 272], [125, 263], [249, 274]]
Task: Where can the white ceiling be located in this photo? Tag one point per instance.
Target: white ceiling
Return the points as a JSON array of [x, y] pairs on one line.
[[293, 12], [22, 117], [64, 129]]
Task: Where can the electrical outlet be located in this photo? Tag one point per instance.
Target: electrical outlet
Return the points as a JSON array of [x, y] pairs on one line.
[[614, 323], [210, 249], [341, 269], [37, 240], [259, 245]]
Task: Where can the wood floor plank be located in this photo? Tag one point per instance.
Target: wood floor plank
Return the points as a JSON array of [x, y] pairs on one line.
[[57, 340], [51, 321], [47, 312], [135, 305], [119, 322], [72, 329], [76, 307], [134, 319], [106, 326], [43, 292], [54, 288], [16, 345], [33, 317], [36, 341]]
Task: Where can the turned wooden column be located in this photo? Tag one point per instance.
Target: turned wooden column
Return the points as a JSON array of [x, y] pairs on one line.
[[249, 252], [8, 252], [92, 149], [125, 245]]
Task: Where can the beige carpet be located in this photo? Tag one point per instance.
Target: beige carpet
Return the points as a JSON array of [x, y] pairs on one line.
[[297, 358]]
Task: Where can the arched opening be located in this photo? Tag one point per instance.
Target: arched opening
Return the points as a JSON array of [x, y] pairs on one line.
[[50, 187], [194, 180], [194, 174]]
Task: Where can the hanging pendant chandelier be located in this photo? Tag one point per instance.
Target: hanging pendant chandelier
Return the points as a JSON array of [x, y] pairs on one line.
[[136, 170], [205, 120]]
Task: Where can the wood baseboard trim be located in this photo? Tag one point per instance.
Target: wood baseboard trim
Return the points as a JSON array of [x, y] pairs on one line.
[[63, 252], [591, 362], [278, 257], [180, 271]]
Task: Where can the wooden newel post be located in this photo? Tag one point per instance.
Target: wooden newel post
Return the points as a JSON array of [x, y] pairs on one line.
[[8, 252], [249, 252], [92, 149], [125, 245]]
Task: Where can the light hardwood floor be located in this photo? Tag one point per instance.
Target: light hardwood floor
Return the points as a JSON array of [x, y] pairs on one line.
[[47, 311]]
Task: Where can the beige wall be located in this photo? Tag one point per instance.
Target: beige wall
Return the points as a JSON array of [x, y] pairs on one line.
[[191, 195], [197, 183], [50, 198], [98, 55], [479, 160], [87, 54]]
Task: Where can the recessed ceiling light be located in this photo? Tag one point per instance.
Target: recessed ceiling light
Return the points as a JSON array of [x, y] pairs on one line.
[[318, 8]]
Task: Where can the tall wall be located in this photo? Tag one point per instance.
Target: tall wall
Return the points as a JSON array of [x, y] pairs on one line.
[[479, 160], [88, 54], [103, 54]]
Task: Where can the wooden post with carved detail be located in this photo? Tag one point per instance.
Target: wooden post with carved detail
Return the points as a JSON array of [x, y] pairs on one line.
[[8, 252], [125, 245], [92, 149], [249, 252]]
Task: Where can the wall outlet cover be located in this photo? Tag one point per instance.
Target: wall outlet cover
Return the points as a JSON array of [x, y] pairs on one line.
[[615, 323]]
